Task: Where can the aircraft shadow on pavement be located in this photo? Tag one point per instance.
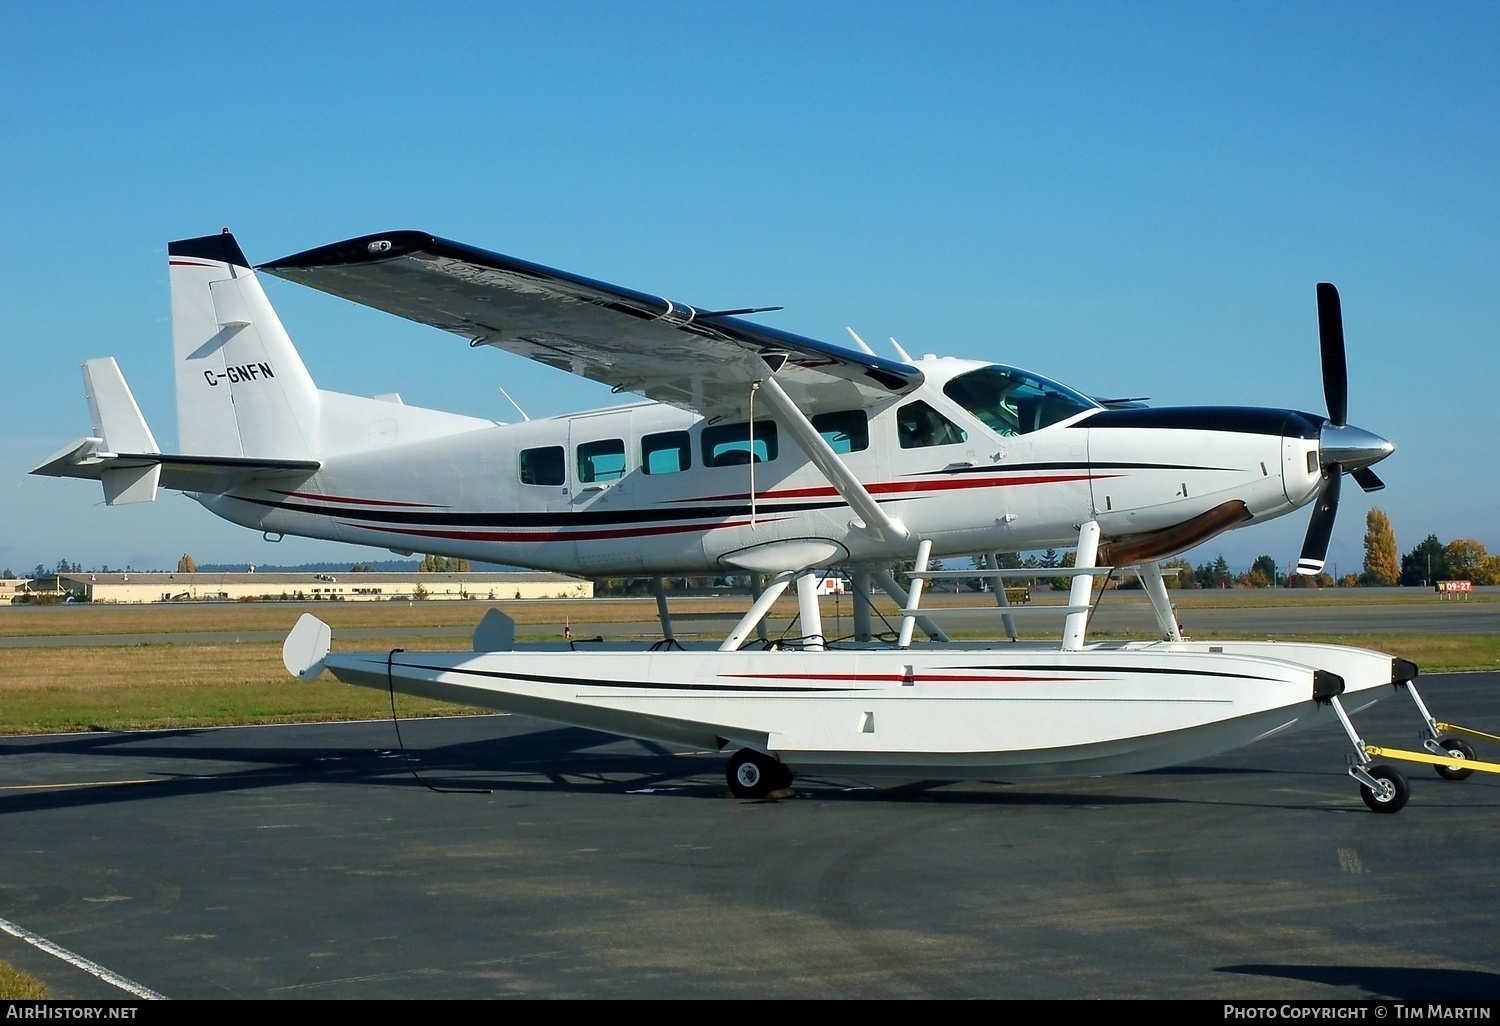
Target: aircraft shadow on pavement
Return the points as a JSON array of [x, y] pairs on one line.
[[1393, 983], [124, 767], [515, 758], [138, 766], [161, 764]]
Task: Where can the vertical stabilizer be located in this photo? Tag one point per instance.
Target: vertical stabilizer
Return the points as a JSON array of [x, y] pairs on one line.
[[116, 417], [242, 390], [120, 428]]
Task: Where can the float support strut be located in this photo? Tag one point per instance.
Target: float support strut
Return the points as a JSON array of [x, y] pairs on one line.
[[992, 562], [898, 594], [1161, 603], [863, 632], [757, 612], [1087, 558], [659, 589], [807, 607]]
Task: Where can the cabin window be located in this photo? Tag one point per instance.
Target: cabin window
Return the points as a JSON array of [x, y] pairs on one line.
[[601, 461], [734, 445], [1009, 402], [545, 466], [844, 431], [667, 453], [919, 426]]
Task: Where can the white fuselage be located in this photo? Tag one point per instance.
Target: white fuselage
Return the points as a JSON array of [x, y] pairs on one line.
[[470, 488]]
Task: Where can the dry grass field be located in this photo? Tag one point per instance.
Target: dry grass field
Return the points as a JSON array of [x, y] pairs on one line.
[[18, 986], [47, 690], [195, 682], [72, 620]]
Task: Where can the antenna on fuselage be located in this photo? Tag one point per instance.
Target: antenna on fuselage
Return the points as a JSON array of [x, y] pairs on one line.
[[513, 403], [859, 341], [901, 352]]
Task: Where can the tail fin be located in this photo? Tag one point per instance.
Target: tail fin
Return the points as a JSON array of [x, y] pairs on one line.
[[113, 410], [242, 390], [118, 423]]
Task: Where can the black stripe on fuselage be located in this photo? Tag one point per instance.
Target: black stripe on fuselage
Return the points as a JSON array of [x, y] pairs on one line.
[[1245, 420], [1065, 465], [1115, 669], [761, 689], [580, 518]]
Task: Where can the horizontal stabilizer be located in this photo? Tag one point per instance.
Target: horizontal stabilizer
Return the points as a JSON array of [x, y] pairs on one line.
[[123, 456], [125, 474]]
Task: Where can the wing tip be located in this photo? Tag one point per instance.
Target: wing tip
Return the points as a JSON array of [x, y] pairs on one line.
[[362, 250]]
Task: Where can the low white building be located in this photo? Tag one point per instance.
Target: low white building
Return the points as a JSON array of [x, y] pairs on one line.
[[12, 588], [339, 587]]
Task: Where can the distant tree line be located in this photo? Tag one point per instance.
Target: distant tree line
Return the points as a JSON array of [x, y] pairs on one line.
[[1462, 559]]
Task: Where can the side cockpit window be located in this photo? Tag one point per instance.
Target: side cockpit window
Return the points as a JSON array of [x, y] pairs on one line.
[[845, 430], [1009, 402], [919, 426]]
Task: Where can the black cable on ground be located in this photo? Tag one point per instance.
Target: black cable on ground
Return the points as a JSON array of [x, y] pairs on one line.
[[390, 686]]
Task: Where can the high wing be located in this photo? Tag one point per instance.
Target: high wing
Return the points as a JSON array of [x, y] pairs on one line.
[[629, 340]]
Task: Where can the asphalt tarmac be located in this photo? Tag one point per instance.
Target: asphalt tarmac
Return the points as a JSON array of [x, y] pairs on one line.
[[308, 862]]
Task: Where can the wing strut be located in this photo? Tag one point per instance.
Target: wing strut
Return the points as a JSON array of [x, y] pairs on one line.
[[874, 519]]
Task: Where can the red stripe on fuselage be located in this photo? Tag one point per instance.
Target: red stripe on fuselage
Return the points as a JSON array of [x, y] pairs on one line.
[[563, 535], [905, 487]]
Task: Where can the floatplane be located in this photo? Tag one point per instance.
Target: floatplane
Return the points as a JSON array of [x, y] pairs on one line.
[[763, 452]]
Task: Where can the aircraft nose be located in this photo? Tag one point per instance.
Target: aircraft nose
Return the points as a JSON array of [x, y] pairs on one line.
[[1351, 447]]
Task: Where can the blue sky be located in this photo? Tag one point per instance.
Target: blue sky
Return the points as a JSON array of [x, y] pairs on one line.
[[1133, 198]]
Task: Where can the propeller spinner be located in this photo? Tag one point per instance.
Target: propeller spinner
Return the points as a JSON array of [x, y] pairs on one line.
[[1342, 448]]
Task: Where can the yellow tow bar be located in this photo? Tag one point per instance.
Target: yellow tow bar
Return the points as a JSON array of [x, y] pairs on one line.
[[1477, 735], [1437, 760]]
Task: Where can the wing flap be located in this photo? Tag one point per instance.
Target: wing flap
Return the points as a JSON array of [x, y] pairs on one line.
[[629, 340]]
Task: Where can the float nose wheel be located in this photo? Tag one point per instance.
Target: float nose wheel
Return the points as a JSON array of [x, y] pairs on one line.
[[754, 774], [1385, 789], [1459, 750]]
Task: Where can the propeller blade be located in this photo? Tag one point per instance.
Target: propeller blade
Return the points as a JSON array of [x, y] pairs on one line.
[[1366, 479], [1331, 342], [1320, 527]]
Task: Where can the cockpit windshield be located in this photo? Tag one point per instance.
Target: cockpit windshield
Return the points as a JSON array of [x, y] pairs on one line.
[[1012, 403]]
